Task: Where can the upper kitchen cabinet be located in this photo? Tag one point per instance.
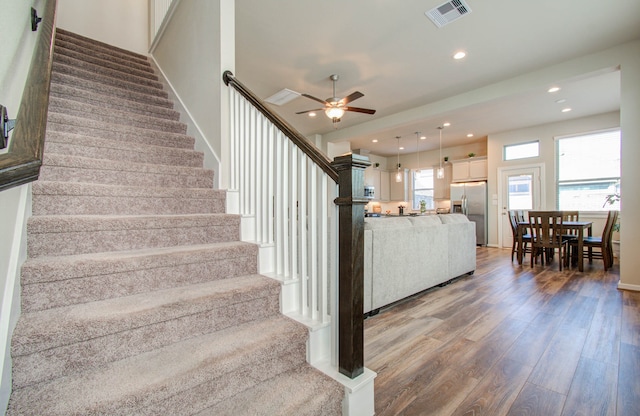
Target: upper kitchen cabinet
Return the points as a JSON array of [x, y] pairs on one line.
[[472, 169], [379, 179]]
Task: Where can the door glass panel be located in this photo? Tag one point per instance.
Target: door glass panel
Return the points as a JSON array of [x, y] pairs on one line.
[[520, 192]]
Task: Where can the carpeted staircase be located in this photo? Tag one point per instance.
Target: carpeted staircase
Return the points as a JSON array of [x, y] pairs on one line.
[[138, 297]]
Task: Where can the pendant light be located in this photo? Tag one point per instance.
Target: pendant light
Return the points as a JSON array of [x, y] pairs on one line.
[[418, 152], [440, 171], [398, 175]]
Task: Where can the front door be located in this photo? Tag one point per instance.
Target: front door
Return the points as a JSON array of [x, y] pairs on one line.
[[520, 189]]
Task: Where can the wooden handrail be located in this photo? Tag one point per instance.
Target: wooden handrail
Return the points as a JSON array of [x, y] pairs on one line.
[[21, 164], [315, 154]]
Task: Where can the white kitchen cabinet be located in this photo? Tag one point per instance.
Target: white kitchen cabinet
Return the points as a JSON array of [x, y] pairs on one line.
[[379, 179], [384, 186], [473, 169]]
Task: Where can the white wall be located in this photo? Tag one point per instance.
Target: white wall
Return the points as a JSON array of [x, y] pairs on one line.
[[122, 23], [193, 50], [18, 42], [630, 183]]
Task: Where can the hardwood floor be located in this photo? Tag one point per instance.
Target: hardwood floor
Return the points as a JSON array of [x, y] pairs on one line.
[[510, 340]]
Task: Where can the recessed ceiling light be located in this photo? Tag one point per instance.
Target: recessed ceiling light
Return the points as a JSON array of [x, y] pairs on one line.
[[470, 135], [561, 100], [375, 140], [401, 148], [566, 110], [553, 89], [447, 124], [423, 137], [312, 114], [459, 55]]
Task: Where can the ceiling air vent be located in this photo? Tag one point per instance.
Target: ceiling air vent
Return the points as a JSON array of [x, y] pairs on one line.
[[448, 12]]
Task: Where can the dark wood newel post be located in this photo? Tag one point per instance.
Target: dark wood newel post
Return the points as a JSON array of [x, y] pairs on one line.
[[351, 202]]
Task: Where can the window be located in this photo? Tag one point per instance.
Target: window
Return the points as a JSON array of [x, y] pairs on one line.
[[423, 188], [588, 171], [521, 150]]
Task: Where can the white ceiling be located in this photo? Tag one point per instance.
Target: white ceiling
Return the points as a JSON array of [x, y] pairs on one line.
[[390, 51]]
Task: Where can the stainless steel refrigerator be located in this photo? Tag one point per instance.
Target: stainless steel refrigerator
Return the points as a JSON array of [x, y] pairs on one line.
[[470, 199]]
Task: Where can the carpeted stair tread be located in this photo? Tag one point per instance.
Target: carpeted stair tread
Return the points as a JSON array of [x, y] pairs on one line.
[[112, 116], [104, 89], [49, 282], [68, 47], [43, 330], [89, 44], [80, 73], [63, 198], [99, 148], [50, 269], [211, 307], [106, 62], [75, 168], [116, 73], [127, 386], [301, 392], [64, 235], [69, 124], [109, 102]]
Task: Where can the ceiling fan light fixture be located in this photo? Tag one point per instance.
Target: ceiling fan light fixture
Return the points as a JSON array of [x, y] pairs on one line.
[[334, 112]]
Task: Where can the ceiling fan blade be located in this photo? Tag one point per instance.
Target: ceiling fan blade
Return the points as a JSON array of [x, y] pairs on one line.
[[308, 111], [316, 99], [359, 110], [352, 97]]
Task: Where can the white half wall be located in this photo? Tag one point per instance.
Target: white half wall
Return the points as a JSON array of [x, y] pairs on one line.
[[196, 46], [121, 23]]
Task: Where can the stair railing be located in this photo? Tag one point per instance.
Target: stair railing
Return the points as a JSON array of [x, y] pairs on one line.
[[307, 214], [21, 164]]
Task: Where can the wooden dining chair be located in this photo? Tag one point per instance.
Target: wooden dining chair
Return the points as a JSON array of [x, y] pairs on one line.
[[570, 215], [546, 233], [516, 216], [603, 245]]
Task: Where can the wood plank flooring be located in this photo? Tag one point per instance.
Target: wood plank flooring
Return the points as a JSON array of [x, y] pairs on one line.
[[510, 340]]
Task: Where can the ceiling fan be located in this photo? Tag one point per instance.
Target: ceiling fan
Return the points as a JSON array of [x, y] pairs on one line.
[[335, 107]]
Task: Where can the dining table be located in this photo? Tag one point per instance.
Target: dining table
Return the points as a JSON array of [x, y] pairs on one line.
[[569, 226]]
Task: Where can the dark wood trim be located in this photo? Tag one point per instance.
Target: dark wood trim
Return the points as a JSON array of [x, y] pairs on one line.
[[21, 164], [351, 202], [294, 135]]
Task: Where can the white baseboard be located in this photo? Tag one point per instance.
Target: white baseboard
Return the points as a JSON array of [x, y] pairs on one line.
[[626, 286]]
